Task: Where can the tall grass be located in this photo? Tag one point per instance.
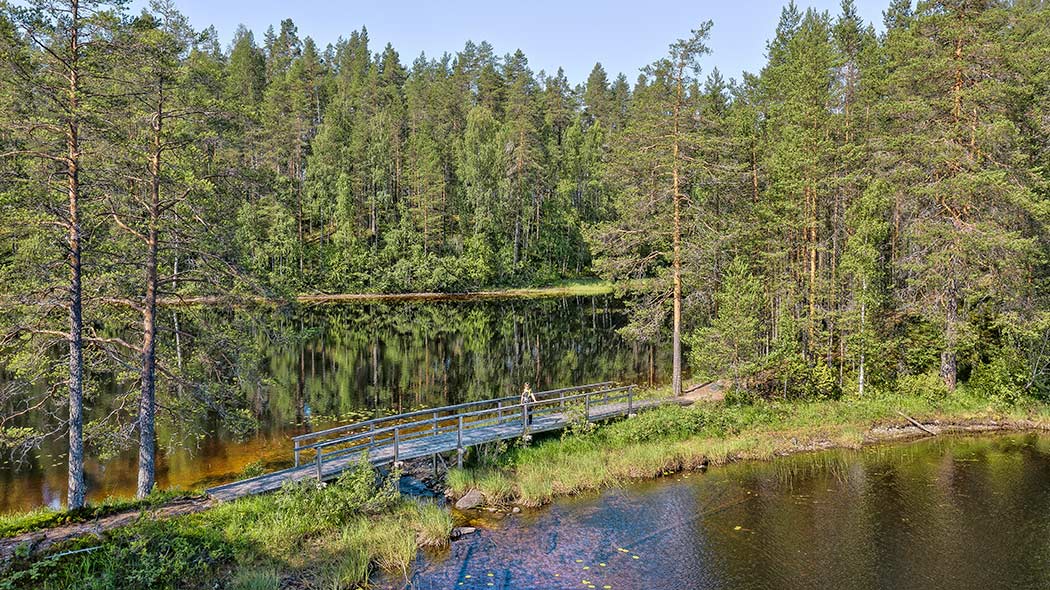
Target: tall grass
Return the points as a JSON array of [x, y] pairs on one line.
[[673, 438]]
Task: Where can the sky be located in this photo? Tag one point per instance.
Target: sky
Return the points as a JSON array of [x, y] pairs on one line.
[[624, 35]]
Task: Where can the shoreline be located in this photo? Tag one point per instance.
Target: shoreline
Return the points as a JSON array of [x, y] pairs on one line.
[[583, 288], [510, 489]]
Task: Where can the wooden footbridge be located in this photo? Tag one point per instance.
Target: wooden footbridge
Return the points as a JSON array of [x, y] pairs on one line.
[[428, 433]]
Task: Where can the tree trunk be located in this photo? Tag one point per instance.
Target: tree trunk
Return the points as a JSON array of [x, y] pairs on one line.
[[676, 338], [863, 313], [76, 491], [147, 400], [949, 362]]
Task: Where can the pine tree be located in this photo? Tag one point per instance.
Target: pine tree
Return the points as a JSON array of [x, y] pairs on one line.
[[654, 169]]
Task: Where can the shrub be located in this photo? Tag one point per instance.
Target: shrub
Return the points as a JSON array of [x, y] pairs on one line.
[[928, 385]]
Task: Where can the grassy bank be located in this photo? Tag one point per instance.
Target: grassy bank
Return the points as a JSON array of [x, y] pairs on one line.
[[42, 518], [332, 536], [674, 438], [567, 288], [578, 288], [339, 535]]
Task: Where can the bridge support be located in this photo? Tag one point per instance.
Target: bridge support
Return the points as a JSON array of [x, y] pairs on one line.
[[459, 444]]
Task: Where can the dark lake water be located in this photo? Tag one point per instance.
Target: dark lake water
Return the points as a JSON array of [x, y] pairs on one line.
[[361, 360], [946, 513]]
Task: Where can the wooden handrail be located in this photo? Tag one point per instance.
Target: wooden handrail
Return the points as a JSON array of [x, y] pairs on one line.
[[364, 423], [395, 428]]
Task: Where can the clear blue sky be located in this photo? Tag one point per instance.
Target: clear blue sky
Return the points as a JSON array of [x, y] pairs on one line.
[[622, 34]]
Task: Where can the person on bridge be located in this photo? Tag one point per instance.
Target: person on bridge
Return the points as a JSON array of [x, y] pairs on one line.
[[527, 397]]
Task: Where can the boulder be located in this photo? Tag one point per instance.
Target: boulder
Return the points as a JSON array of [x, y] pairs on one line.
[[471, 499]]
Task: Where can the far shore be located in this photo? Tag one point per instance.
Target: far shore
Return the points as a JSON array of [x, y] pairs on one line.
[[583, 288]]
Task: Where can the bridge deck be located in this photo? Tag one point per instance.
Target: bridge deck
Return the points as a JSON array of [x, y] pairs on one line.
[[423, 443]]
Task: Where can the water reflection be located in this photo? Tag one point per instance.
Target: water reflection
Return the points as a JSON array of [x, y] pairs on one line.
[[950, 513], [336, 363]]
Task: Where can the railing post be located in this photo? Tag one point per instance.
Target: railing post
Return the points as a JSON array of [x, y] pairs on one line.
[[396, 441], [524, 418], [435, 422], [459, 444], [372, 434], [318, 461], [296, 453], [630, 399], [499, 409], [587, 407]]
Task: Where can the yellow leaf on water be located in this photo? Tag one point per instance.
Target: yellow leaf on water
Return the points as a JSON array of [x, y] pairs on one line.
[[586, 567], [579, 561], [607, 587], [737, 528], [602, 564], [634, 557], [490, 574]]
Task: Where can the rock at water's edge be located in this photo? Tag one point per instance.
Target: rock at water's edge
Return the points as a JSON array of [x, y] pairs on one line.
[[471, 499]]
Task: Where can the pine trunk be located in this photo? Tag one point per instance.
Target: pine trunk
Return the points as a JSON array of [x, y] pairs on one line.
[[76, 487], [147, 400]]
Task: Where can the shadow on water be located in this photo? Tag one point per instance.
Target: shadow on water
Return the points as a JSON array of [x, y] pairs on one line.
[[358, 360], [951, 513]]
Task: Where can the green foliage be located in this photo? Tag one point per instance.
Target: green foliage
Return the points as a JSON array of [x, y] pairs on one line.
[[730, 344], [1004, 378], [925, 385]]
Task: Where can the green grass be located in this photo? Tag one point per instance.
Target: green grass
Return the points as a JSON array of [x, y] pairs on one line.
[[332, 536], [41, 518], [672, 438], [433, 525]]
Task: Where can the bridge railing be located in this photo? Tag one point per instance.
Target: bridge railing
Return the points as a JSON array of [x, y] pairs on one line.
[[383, 424], [528, 417]]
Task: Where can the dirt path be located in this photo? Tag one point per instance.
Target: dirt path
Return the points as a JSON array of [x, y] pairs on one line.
[[41, 541]]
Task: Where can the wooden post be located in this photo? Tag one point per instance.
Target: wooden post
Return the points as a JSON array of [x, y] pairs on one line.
[[396, 440], [296, 453], [630, 399], [587, 407], [318, 461], [435, 422], [459, 444], [524, 418], [499, 409], [372, 434]]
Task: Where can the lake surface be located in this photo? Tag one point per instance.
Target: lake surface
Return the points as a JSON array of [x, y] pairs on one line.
[[952, 513], [354, 361]]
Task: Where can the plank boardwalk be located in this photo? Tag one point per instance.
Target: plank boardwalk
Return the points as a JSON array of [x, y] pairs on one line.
[[448, 429]]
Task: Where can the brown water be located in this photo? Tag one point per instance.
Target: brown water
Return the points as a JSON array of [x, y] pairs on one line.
[[946, 513], [354, 361]]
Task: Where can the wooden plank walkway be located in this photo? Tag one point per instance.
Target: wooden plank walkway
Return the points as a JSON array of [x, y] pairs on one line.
[[447, 429]]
